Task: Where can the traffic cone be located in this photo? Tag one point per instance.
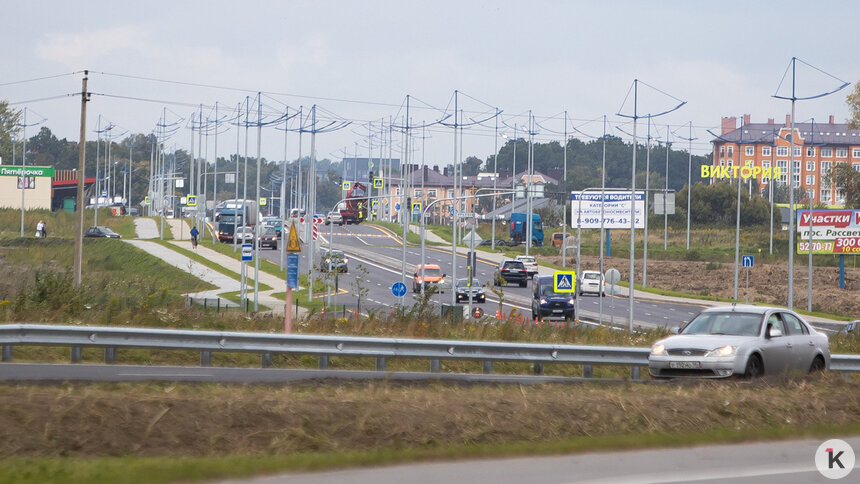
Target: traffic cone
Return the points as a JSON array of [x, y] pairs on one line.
[[498, 314]]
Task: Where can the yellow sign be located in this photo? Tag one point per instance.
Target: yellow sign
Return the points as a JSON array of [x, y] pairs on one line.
[[293, 240], [146, 200], [346, 186], [378, 183], [709, 171], [263, 201], [416, 206], [191, 201]]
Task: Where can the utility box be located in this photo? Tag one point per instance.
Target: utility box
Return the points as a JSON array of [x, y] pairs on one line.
[[452, 312]]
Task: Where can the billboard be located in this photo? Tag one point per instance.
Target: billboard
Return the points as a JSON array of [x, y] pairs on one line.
[[833, 231], [585, 206]]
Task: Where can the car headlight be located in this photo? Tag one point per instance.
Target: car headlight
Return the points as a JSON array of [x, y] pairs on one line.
[[727, 350], [543, 301], [571, 301], [345, 261], [658, 350]]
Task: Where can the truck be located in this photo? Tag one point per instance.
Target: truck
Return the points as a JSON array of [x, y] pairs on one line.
[[230, 214], [354, 208], [519, 229]]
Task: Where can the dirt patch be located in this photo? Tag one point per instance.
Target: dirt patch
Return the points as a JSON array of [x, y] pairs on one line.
[[206, 420], [768, 283]]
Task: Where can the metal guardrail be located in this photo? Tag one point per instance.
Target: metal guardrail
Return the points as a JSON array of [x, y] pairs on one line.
[[207, 342]]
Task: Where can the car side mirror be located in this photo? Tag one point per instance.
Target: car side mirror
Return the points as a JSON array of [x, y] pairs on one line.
[[773, 332], [675, 330], [444, 275]]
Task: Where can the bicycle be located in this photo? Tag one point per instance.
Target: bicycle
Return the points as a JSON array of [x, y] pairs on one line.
[[194, 241]]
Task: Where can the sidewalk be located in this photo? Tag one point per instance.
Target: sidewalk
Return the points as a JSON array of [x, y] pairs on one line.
[[198, 270], [148, 229]]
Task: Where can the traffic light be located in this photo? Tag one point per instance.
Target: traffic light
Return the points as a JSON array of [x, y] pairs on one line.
[[370, 175], [408, 204]]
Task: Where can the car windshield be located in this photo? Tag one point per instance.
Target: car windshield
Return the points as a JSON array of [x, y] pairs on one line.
[[730, 323], [462, 283], [335, 254], [431, 272], [547, 290], [526, 259], [514, 265], [591, 275], [270, 231]]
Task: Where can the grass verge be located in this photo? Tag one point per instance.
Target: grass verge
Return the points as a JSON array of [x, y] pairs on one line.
[[315, 427]]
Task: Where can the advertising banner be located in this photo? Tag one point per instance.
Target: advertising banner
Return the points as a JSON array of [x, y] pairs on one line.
[[585, 206], [833, 231]]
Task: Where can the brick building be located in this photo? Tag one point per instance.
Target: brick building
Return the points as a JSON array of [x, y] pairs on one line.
[[764, 146]]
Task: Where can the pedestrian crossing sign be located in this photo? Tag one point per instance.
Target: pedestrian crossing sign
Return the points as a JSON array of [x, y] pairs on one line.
[[346, 186], [263, 201], [378, 183], [293, 240], [564, 281], [191, 201], [146, 200], [374, 203], [416, 206]]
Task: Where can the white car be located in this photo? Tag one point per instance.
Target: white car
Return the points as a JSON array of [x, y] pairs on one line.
[[530, 264], [748, 341], [334, 218], [591, 282]]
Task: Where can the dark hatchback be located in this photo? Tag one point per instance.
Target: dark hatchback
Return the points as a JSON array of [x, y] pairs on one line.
[[99, 231], [511, 271]]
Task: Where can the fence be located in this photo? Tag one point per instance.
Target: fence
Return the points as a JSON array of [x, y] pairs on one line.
[[324, 347]]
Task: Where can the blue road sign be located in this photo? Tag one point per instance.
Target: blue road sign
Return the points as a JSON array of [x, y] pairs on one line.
[[247, 252], [397, 206], [398, 289], [378, 183], [293, 271], [747, 261], [563, 281], [191, 201]]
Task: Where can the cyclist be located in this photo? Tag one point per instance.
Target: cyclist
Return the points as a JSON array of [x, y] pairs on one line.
[[194, 234]]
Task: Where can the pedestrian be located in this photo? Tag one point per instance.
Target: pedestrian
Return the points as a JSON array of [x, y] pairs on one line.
[[40, 229], [194, 234]]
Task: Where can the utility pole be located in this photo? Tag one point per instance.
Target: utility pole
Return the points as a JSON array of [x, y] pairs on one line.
[[79, 206]]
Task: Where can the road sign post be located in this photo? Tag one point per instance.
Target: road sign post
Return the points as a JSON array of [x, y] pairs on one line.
[[748, 261], [293, 249]]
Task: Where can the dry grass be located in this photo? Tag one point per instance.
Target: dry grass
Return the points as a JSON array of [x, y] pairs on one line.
[[213, 420]]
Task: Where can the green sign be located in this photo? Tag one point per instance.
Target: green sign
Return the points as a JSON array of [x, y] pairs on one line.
[[47, 171]]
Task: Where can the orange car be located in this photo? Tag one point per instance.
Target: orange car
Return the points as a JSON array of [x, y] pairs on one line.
[[432, 275]]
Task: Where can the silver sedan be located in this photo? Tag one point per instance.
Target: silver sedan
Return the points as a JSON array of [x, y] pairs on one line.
[[746, 341]]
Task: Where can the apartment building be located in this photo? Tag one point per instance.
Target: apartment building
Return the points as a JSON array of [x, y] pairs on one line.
[[758, 150]]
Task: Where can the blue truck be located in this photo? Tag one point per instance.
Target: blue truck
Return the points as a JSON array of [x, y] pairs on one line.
[[519, 229]]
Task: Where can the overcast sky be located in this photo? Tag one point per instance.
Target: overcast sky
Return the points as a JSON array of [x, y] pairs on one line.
[[359, 60]]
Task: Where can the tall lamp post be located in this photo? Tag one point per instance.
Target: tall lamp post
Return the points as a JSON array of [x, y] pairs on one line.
[[794, 98]]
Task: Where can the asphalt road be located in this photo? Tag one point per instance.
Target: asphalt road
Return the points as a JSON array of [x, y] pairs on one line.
[[783, 462], [381, 254]]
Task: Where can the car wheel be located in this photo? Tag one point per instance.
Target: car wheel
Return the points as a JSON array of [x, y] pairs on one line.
[[754, 368], [818, 365]]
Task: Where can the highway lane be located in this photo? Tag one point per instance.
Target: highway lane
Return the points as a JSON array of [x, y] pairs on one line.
[[380, 253], [778, 462]]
